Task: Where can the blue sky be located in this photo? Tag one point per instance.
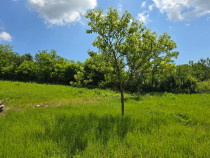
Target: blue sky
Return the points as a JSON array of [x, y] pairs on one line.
[[32, 25]]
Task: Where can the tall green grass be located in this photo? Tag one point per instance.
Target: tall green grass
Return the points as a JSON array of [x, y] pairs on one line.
[[20, 94], [88, 123]]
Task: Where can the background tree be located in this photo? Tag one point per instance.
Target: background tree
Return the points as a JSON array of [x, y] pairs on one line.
[[201, 69], [94, 72], [126, 44], [27, 71], [9, 61]]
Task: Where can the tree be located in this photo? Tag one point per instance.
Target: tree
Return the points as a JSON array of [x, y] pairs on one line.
[[201, 69], [9, 61], [94, 72], [27, 71], [46, 62], [126, 44]]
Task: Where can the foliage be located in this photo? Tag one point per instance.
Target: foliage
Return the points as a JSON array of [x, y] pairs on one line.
[[201, 69], [44, 68], [27, 71], [96, 72], [8, 61], [180, 81], [127, 45], [204, 87]]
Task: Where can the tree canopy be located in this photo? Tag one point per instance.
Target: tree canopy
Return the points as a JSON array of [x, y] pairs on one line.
[[128, 45]]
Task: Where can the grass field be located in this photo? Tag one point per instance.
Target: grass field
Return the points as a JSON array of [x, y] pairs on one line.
[[79, 122]]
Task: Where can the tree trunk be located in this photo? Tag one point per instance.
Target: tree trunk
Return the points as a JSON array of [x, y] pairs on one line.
[[120, 81], [153, 78], [122, 97]]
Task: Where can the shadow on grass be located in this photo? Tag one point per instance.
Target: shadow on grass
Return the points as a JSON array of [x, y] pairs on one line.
[[73, 133]]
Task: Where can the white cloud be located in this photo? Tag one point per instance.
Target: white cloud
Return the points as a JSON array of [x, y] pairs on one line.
[[120, 7], [4, 36], [143, 17], [187, 25], [183, 9], [143, 4], [150, 7], [61, 12]]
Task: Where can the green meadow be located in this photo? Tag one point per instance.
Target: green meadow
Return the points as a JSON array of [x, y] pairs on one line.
[[80, 122]]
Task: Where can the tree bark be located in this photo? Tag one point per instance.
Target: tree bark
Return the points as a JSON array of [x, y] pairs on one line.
[[121, 86], [122, 96]]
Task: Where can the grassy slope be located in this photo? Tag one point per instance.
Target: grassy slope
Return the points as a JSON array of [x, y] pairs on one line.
[[87, 123]]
